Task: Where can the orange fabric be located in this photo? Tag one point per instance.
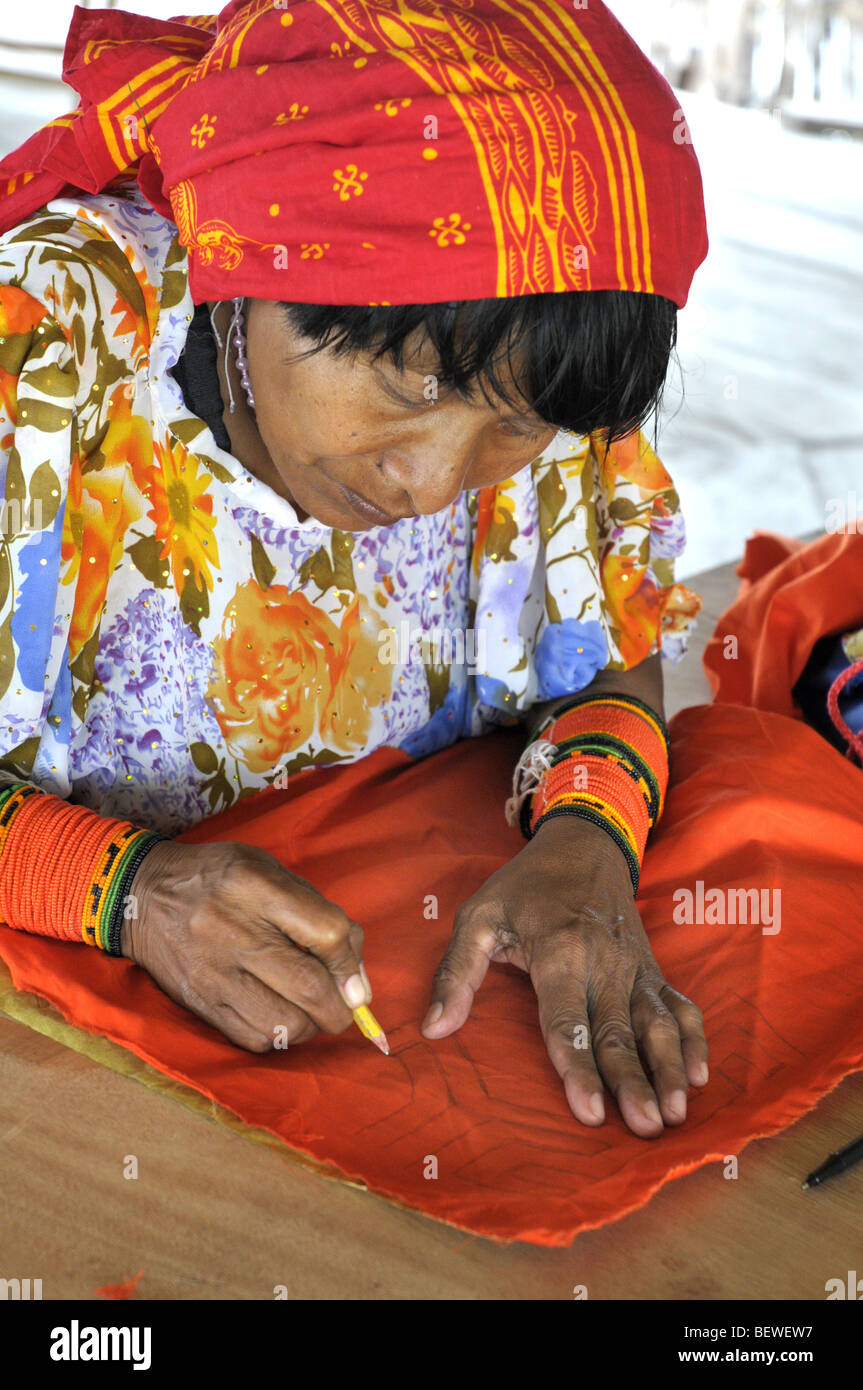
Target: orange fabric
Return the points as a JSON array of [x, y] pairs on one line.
[[792, 594], [118, 1291], [755, 799]]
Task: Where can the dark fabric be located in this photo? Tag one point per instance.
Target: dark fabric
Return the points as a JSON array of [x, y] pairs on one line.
[[828, 660], [198, 377]]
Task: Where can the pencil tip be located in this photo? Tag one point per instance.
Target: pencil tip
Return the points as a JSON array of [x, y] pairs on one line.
[[382, 1043]]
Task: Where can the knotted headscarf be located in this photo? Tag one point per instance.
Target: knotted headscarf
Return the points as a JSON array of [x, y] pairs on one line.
[[383, 151]]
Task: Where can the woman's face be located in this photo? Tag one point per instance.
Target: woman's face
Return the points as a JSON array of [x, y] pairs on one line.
[[339, 429]]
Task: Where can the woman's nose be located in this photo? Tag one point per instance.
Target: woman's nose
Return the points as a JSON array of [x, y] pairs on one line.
[[431, 472]]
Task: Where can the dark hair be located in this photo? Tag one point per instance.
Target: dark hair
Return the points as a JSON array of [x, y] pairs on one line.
[[596, 360]]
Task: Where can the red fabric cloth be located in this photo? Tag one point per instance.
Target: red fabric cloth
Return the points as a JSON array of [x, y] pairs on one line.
[[783, 1009], [792, 594], [291, 146]]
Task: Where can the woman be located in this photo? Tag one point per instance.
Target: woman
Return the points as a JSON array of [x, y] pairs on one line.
[[250, 479]]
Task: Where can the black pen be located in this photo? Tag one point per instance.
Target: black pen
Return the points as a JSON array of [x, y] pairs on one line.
[[836, 1163]]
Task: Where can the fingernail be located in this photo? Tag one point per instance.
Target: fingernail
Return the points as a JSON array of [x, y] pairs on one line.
[[433, 1015], [596, 1106], [354, 991], [366, 980], [651, 1112], [700, 1074], [677, 1104]]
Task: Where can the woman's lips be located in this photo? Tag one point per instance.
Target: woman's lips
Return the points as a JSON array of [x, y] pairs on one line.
[[366, 509]]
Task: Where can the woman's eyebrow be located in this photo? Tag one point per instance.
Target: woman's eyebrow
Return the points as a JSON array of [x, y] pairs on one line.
[[392, 391], [525, 417]]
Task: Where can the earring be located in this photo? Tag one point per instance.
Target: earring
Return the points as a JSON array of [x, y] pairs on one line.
[[242, 360], [223, 347]]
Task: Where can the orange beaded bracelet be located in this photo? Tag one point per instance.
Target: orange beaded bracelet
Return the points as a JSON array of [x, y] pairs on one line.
[[604, 759], [66, 871]]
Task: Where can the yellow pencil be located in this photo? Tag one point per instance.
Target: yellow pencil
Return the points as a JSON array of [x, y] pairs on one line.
[[370, 1028]]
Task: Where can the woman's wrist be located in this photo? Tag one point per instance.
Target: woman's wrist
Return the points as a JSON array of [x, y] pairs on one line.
[[149, 872], [590, 847]]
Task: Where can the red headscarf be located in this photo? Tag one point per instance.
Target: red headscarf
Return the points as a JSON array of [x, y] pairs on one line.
[[383, 151]]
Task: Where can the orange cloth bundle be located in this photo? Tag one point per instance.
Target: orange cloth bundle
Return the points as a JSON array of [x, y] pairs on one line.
[[756, 801], [791, 595]]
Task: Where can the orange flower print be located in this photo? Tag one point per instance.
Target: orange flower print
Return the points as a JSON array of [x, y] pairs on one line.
[[131, 319], [9, 395], [284, 671], [633, 460], [634, 603], [495, 527], [101, 506], [183, 514], [19, 313], [680, 607], [484, 514], [128, 443]]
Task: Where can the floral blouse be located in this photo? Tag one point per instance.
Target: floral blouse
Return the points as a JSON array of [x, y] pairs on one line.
[[173, 638]]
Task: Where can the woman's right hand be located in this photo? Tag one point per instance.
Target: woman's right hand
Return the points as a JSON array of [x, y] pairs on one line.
[[219, 927]]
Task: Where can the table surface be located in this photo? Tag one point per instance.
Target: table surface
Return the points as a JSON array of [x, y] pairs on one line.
[[212, 1215]]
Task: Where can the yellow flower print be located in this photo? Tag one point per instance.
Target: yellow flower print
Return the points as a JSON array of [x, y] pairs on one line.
[[183, 514], [391, 107], [450, 232], [571, 465], [204, 130], [295, 112], [349, 181]]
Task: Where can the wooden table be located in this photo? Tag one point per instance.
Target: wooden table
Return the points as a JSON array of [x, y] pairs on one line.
[[212, 1215]]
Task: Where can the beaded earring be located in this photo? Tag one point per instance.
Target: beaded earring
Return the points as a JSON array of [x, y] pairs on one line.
[[242, 361], [236, 335]]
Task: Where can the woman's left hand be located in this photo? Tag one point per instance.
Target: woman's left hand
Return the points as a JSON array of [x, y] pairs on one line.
[[563, 911]]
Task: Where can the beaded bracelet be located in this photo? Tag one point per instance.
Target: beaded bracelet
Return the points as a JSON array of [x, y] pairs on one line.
[[116, 910], [603, 758], [642, 743], [66, 871]]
